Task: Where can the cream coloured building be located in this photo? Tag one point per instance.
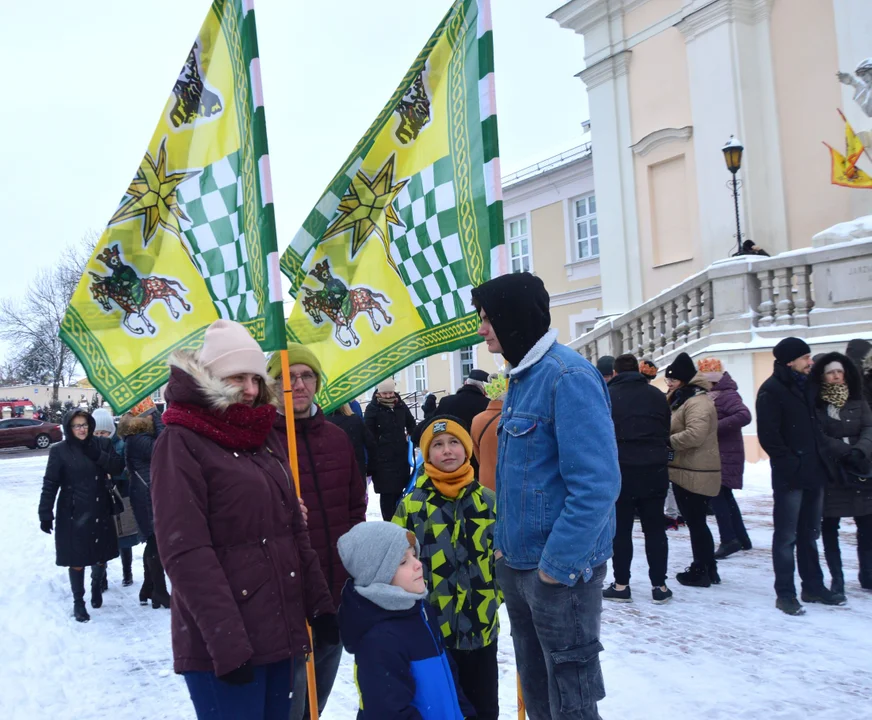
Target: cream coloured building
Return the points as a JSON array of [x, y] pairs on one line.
[[668, 83], [552, 229]]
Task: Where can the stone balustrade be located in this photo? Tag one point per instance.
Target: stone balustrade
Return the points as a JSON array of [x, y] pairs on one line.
[[747, 302]]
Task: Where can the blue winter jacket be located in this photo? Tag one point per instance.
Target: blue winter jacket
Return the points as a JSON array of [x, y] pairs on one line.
[[400, 665], [557, 466]]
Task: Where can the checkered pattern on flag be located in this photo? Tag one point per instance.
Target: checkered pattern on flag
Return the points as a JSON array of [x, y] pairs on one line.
[[212, 201], [427, 251], [383, 267]]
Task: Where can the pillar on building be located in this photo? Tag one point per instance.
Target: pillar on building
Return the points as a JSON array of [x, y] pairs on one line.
[[732, 91]]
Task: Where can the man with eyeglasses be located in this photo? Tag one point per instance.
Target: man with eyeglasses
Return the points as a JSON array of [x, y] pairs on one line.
[[335, 495]]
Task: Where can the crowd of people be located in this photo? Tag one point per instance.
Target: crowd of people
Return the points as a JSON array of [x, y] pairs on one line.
[[531, 480]]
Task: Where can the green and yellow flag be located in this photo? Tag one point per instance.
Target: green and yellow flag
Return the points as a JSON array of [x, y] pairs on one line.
[[193, 238], [383, 267]]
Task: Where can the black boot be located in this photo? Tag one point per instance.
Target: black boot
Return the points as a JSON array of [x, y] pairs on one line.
[[104, 584], [837, 584], [697, 575], [833, 557], [127, 566], [713, 573], [726, 549], [864, 555], [160, 597], [77, 584], [147, 586], [98, 575]]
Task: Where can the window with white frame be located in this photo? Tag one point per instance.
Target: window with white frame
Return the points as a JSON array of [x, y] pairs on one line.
[[419, 370], [519, 245], [467, 361], [586, 229]]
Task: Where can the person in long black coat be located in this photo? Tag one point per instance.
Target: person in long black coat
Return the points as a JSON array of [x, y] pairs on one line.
[[788, 431], [140, 428], [846, 421], [389, 419], [361, 438], [80, 468]]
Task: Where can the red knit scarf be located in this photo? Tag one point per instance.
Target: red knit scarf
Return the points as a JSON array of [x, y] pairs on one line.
[[239, 427]]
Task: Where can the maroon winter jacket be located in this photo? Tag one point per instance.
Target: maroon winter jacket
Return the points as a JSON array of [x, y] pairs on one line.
[[733, 415], [231, 536], [332, 488]]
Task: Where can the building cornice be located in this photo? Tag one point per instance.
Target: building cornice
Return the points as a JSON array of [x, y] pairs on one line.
[[664, 136], [557, 178], [717, 12], [611, 68], [573, 296], [581, 15]]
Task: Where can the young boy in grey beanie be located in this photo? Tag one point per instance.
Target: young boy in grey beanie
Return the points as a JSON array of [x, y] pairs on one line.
[[401, 668]]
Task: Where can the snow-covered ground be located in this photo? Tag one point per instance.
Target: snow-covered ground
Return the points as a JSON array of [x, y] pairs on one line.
[[720, 653]]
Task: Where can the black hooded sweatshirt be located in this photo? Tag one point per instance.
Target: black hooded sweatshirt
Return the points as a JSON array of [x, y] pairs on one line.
[[517, 306]]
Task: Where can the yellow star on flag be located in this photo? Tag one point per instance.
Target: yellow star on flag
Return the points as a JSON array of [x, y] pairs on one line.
[[152, 195], [367, 208]]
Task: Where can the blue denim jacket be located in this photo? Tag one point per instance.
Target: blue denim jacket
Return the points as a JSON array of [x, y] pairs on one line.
[[557, 467]]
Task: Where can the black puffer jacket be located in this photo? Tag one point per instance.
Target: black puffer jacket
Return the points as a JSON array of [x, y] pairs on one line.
[[788, 432], [390, 467], [642, 421], [359, 434], [854, 423], [84, 527], [465, 404], [140, 434]]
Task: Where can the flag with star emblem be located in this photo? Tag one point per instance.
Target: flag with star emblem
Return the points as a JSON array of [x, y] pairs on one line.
[[384, 265], [193, 238]]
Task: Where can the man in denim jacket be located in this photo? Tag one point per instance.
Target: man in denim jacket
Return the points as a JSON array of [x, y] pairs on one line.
[[557, 482]]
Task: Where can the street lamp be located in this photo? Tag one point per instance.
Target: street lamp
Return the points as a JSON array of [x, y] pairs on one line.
[[733, 157]]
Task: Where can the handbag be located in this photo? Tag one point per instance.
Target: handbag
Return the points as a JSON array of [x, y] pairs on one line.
[[857, 475], [117, 501], [125, 522]]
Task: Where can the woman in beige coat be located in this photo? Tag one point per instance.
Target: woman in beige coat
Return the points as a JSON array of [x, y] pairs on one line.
[[695, 467]]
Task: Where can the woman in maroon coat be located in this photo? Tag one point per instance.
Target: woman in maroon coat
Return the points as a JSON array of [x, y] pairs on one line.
[[231, 535], [733, 415]]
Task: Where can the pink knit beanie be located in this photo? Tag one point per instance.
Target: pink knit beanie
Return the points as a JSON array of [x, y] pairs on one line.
[[229, 349]]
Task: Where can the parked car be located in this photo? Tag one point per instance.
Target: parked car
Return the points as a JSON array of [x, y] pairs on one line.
[[36, 434]]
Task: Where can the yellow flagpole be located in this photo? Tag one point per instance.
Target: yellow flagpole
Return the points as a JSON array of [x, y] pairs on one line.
[[288, 392], [522, 706]]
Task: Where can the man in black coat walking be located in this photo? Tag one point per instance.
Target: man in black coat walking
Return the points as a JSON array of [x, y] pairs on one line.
[[787, 430], [468, 401], [642, 419]]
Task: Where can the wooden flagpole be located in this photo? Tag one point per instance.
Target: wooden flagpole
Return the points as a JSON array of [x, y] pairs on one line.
[[288, 394], [522, 706]]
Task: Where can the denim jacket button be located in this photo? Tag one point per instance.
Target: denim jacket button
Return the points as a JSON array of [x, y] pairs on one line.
[[509, 410], [572, 576]]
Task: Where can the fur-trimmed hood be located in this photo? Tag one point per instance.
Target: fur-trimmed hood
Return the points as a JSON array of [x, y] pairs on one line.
[[140, 425], [191, 383], [852, 375]]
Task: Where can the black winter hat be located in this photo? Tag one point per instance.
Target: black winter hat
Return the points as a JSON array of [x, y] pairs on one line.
[[682, 368], [606, 365], [790, 349], [857, 350], [479, 375], [518, 307]]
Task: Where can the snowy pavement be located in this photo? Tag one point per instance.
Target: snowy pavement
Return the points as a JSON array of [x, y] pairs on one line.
[[720, 653]]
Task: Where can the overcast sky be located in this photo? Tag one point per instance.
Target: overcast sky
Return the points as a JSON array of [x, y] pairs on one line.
[[85, 82]]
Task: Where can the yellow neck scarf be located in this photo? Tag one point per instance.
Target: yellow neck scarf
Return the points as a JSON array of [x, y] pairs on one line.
[[450, 483]]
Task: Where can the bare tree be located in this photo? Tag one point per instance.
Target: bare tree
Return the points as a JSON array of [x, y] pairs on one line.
[[32, 324]]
